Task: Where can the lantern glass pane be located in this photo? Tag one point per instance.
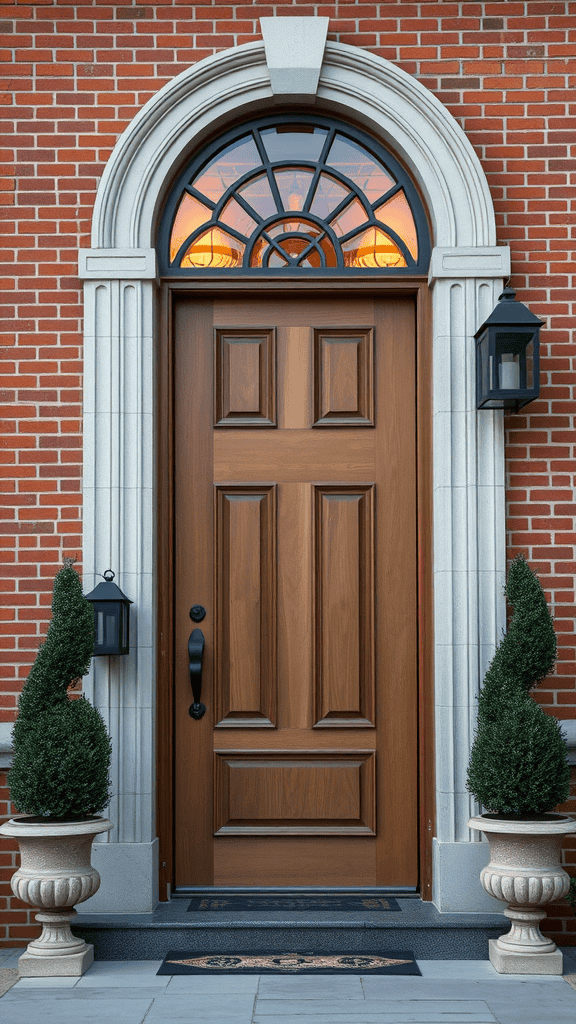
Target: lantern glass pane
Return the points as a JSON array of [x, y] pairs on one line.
[[530, 364], [485, 365], [111, 631], [99, 628], [509, 371]]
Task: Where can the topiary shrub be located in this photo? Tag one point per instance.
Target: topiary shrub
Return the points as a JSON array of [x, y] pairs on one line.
[[518, 764], [62, 750]]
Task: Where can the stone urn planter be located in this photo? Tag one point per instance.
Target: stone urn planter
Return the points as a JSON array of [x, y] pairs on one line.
[[55, 873], [525, 872]]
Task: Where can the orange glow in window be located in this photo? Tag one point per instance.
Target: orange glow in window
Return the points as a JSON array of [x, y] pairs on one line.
[[397, 215], [215, 249], [372, 248], [352, 160], [293, 186], [344, 202], [235, 216], [189, 216], [226, 168], [352, 217]]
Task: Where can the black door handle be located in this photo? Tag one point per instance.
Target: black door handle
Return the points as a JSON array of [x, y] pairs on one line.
[[195, 652]]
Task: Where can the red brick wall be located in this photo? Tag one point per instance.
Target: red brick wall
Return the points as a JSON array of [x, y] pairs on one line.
[[75, 76]]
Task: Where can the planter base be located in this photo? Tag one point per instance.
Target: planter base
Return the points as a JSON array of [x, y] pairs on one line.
[[72, 965], [506, 962]]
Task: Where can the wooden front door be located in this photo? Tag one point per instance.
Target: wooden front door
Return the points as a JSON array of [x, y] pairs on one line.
[[295, 499]]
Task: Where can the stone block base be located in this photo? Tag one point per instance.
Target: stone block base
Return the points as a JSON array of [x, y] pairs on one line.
[[524, 963], [72, 965]]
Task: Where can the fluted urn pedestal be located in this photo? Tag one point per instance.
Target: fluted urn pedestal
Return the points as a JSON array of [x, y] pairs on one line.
[[525, 872], [55, 873]]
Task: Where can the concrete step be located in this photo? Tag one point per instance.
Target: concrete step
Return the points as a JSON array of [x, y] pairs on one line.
[[416, 926]]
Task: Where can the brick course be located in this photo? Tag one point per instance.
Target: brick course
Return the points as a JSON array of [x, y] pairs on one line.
[[76, 74]]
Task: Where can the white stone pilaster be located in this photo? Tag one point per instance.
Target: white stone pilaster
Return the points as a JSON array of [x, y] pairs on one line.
[[469, 550], [119, 533]]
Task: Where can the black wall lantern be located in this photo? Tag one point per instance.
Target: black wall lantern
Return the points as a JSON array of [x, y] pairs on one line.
[[111, 617], [508, 356]]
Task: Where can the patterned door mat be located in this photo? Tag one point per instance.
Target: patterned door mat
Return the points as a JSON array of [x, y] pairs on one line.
[[396, 962], [286, 901]]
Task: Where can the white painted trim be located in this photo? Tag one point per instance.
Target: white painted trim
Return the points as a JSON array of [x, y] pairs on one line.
[[117, 264], [466, 276], [488, 261]]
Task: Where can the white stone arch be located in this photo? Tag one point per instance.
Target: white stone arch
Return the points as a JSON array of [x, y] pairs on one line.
[[466, 274], [372, 91]]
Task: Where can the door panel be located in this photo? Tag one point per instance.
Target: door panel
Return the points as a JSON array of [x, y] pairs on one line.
[[246, 573], [295, 527], [277, 793], [344, 581]]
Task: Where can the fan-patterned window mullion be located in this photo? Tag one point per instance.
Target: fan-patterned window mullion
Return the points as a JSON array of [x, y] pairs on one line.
[[290, 196]]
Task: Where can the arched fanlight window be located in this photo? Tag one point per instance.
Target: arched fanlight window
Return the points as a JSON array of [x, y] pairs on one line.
[[290, 195]]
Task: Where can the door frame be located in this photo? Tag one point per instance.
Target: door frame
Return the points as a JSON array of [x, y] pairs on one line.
[[166, 767]]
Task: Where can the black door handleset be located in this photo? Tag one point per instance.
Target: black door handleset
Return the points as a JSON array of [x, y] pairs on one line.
[[195, 653]]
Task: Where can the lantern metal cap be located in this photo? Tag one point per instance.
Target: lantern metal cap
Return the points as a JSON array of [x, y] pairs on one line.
[[107, 591], [508, 312]]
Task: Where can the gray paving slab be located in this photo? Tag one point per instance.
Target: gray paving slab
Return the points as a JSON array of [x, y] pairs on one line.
[[382, 1009], [167, 1009], [47, 983], [404, 1014], [93, 1012], [222, 984], [511, 1002], [114, 967], [118, 980], [183, 1006], [473, 970], [276, 986], [56, 995], [509, 991]]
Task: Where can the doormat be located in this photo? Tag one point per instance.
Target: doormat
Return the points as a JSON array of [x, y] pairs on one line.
[[287, 901], [181, 962]]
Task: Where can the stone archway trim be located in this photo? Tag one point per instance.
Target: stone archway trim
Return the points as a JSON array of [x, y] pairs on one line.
[[466, 275]]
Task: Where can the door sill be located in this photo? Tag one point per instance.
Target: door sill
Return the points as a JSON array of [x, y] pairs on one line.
[[184, 891]]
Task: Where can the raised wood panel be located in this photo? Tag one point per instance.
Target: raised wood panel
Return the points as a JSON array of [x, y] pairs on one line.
[[246, 606], [294, 793], [344, 377], [344, 605], [245, 377]]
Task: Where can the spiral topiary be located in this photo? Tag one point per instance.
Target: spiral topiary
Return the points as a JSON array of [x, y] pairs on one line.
[[518, 764], [62, 750]]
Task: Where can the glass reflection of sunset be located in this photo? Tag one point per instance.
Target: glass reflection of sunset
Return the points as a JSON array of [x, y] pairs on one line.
[[191, 214], [372, 248], [316, 184], [397, 215], [215, 249]]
